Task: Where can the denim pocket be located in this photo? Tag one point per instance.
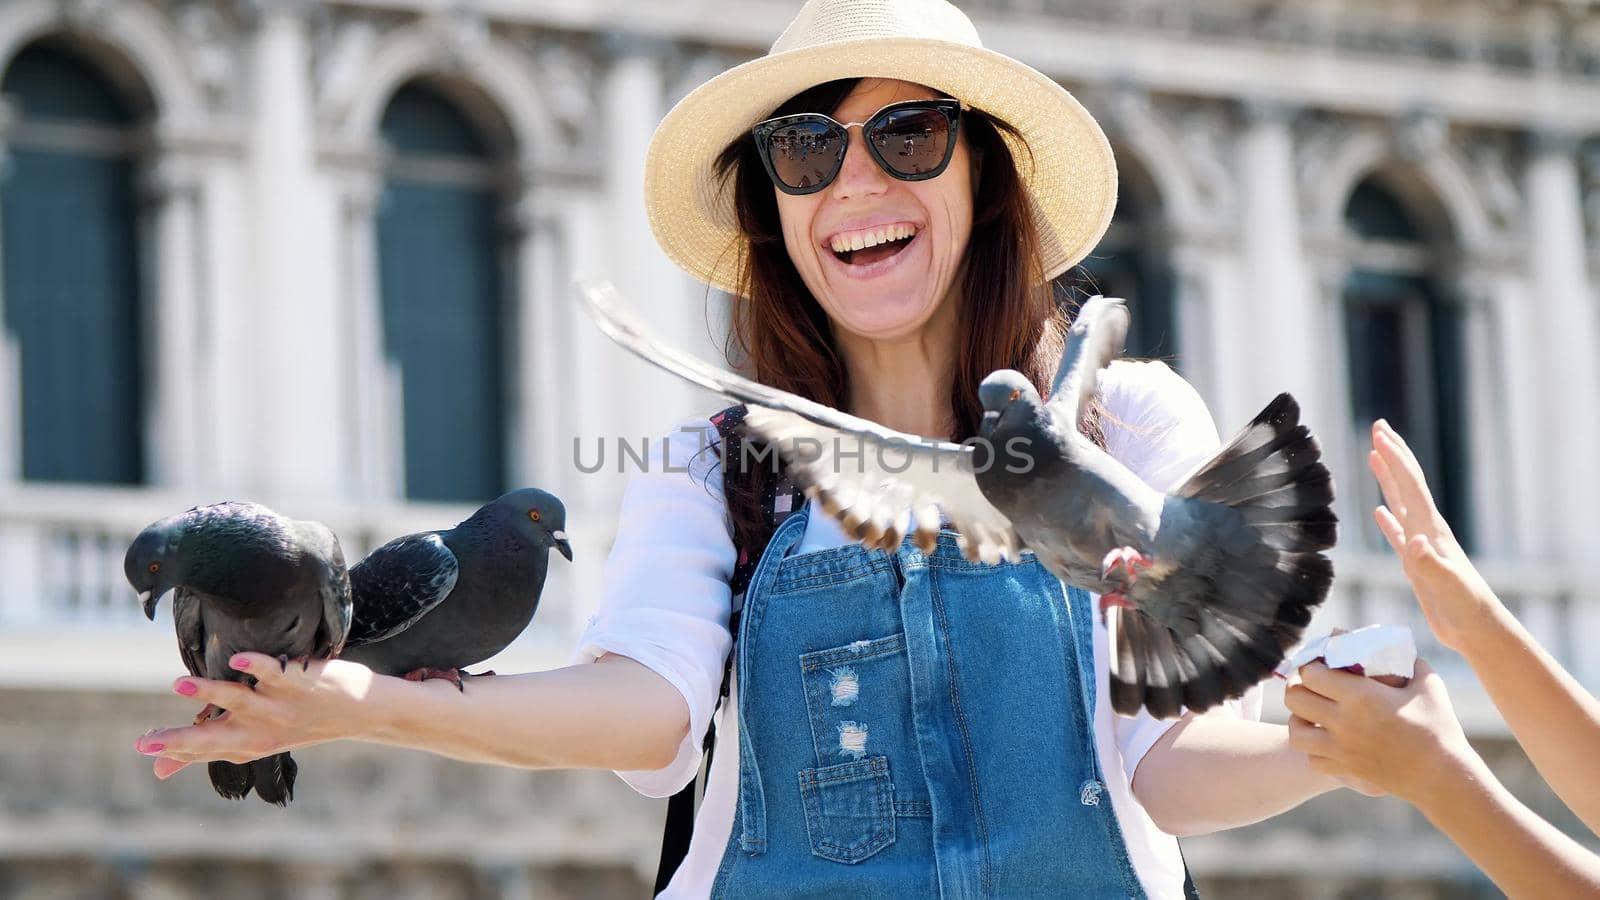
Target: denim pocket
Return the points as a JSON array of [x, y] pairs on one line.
[[849, 809], [859, 699]]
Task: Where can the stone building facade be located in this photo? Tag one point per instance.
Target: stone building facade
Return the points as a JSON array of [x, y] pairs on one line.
[[318, 253]]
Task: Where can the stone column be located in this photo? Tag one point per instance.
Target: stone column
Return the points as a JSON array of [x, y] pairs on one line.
[[1284, 327], [633, 103], [545, 364], [10, 355], [1571, 389], [299, 436], [375, 469], [174, 427]]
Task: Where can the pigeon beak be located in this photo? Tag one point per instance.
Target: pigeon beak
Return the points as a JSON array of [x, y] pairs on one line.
[[562, 545], [149, 598]]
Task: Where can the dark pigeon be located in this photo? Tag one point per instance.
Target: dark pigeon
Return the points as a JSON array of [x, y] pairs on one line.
[[245, 579], [428, 605], [1204, 590]]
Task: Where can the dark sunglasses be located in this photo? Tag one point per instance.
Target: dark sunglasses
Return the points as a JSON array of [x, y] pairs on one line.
[[912, 140]]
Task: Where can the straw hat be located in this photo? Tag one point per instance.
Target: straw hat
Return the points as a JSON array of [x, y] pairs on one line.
[[1073, 180]]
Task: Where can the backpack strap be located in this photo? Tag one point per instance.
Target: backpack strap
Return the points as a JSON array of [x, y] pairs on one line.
[[777, 504]]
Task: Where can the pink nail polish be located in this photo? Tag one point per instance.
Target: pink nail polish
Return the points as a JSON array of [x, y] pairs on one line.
[[153, 748], [239, 662], [187, 688]]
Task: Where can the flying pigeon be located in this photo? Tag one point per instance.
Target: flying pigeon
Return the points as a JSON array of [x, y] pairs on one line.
[[246, 580], [1203, 590], [428, 605]]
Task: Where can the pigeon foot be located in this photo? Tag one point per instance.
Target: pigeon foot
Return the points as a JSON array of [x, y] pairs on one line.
[[210, 712], [283, 662], [1128, 559], [451, 675]]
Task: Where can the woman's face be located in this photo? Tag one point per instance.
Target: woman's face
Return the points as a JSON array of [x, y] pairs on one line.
[[890, 291]]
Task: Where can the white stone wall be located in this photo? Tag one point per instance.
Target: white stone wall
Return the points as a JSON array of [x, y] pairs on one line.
[[1252, 121]]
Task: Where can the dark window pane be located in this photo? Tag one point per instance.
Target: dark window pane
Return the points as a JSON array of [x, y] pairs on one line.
[[1128, 263], [71, 282], [55, 84], [439, 275], [421, 121], [1407, 366], [1376, 214]]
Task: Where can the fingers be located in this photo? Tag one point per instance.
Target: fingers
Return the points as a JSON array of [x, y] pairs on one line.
[[1335, 685], [225, 694], [1390, 528], [166, 768], [1308, 738], [265, 669], [214, 739], [1308, 704], [1409, 480], [1386, 480]]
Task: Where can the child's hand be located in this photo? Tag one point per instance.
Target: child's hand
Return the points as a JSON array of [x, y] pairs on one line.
[[1404, 740], [1454, 597]]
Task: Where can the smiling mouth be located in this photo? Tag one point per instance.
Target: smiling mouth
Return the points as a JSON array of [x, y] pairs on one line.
[[879, 250]]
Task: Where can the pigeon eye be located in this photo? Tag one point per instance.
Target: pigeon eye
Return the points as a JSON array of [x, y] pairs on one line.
[[1015, 393], [154, 568], [533, 514]]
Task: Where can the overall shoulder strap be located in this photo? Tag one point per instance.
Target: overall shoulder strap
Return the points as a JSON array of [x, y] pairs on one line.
[[777, 502]]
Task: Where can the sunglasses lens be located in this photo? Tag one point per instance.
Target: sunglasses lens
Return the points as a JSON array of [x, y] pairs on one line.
[[805, 154], [913, 141]]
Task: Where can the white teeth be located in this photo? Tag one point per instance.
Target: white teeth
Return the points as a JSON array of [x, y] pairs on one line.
[[863, 239]]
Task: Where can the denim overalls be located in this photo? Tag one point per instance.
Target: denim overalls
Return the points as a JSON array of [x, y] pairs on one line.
[[915, 725]]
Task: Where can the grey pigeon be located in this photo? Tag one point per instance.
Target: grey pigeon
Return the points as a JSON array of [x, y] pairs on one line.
[[246, 580], [430, 604], [1204, 590]]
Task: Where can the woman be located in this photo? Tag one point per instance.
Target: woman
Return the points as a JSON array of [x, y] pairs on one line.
[[907, 723], [1407, 739]]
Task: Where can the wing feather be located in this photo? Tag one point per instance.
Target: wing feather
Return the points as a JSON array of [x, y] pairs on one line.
[[897, 484], [1097, 336]]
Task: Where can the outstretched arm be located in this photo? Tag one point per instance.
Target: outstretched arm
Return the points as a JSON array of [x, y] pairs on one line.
[[1407, 740], [1555, 720], [1215, 771], [612, 714]]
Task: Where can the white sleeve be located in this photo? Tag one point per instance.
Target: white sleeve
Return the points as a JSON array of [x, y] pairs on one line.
[[666, 599], [1158, 426]]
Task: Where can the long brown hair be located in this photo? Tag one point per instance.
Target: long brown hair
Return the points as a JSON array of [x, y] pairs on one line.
[[1010, 317]]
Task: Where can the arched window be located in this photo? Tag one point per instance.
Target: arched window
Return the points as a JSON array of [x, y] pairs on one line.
[[1131, 262], [439, 242], [71, 282], [1405, 341]]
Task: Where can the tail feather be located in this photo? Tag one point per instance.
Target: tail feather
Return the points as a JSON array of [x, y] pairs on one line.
[[1257, 595], [272, 777], [231, 780]]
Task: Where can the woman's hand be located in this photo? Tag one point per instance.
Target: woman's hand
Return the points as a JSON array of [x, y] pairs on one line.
[[289, 708], [1456, 600], [1404, 740]]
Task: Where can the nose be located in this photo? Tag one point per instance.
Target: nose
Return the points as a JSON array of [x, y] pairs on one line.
[[860, 175]]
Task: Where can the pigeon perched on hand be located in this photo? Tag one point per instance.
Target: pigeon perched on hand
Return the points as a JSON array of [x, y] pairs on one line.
[[1203, 590], [428, 605], [246, 580]]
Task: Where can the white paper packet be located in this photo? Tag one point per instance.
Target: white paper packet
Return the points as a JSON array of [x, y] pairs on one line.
[[1371, 651]]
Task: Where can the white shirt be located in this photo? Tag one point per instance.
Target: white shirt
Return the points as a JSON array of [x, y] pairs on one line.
[[667, 601]]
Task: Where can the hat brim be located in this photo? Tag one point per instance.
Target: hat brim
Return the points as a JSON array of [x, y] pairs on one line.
[[1068, 167]]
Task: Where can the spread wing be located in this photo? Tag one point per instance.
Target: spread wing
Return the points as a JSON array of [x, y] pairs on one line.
[[895, 484], [1097, 336], [397, 584]]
